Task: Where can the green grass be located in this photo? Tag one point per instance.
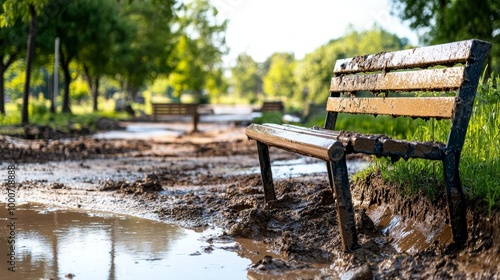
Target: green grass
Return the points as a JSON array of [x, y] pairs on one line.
[[269, 117], [39, 114]]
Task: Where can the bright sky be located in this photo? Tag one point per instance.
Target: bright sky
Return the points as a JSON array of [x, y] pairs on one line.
[[262, 27]]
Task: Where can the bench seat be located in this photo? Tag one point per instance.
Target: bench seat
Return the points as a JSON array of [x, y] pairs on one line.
[[293, 137]]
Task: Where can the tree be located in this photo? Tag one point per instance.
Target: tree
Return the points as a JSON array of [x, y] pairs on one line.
[[146, 53], [247, 83], [96, 57], [26, 10], [216, 84], [82, 25], [314, 72], [12, 43], [453, 20], [198, 55], [279, 80]]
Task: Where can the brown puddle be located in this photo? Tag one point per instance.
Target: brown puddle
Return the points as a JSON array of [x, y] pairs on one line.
[[56, 243]]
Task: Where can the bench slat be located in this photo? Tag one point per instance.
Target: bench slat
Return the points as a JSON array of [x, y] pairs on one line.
[[427, 79], [445, 54], [302, 143], [423, 107], [373, 144]]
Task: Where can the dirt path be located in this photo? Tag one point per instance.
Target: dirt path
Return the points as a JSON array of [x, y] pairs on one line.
[[202, 180]]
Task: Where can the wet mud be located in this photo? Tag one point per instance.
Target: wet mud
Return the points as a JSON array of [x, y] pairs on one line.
[[23, 150], [189, 181]]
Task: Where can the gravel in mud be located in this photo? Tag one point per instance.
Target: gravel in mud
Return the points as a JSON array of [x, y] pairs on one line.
[[191, 181]]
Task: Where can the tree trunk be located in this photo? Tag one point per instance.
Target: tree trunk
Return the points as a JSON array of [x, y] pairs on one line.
[[30, 53], [93, 87], [95, 94], [2, 89], [67, 80]]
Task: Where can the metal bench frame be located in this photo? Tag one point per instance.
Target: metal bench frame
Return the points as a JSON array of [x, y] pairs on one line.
[[460, 65]]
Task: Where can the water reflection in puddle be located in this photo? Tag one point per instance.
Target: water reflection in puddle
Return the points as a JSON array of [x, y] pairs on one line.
[[53, 243]]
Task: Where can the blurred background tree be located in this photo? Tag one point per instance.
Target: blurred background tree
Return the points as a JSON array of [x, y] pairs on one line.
[[247, 82], [279, 81], [172, 51], [11, 46], [198, 54], [314, 72], [442, 21], [27, 11]]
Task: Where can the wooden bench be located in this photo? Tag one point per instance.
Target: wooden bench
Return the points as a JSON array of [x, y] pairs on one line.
[[459, 68], [176, 109], [272, 106]]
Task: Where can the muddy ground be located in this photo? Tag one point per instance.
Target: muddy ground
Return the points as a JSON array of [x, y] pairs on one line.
[[202, 180]]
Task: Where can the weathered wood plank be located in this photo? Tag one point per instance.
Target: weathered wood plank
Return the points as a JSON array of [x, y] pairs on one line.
[[424, 107], [301, 143], [428, 79], [445, 54]]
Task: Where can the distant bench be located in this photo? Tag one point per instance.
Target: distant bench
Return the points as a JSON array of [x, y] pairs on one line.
[[460, 65], [177, 109], [272, 106]]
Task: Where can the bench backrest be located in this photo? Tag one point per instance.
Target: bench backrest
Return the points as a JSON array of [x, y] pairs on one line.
[[174, 109], [440, 68]]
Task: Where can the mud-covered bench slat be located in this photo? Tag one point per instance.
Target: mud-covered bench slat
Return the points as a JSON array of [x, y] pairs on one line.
[[301, 142], [437, 82], [374, 144]]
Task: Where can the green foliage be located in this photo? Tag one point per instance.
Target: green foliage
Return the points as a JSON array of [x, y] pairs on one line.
[[39, 106], [40, 115], [269, 117], [279, 79], [14, 10], [480, 161], [14, 86], [198, 53], [454, 20], [12, 116], [140, 58], [79, 90], [216, 85], [314, 72], [246, 78]]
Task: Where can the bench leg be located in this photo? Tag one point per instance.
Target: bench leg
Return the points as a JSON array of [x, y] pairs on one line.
[[345, 209], [196, 119], [330, 176], [456, 199], [266, 172]]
